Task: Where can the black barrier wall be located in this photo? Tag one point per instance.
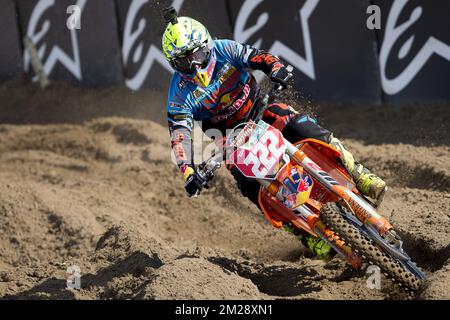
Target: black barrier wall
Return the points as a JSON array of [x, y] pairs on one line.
[[414, 50], [140, 29], [10, 49], [336, 56], [89, 56], [334, 59]]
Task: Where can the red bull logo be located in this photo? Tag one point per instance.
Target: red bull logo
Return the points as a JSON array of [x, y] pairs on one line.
[[304, 183], [234, 107], [298, 192]]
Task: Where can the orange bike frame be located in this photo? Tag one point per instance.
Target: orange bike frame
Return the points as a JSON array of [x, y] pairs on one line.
[[363, 211]]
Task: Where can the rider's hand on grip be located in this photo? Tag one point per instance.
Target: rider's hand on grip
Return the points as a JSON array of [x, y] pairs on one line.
[[281, 76], [194, 185]]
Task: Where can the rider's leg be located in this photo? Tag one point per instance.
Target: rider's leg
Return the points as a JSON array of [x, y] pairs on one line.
[[296, 126], [367, 183], [249, 187]]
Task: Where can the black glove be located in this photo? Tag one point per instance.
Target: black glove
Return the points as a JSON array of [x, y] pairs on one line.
[[193, 185], [281, 76]]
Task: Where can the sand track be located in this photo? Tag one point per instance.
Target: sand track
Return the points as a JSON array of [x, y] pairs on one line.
[[103, 194]]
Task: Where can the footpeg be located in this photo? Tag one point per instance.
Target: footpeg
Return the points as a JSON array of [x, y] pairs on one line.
[[380, 198]]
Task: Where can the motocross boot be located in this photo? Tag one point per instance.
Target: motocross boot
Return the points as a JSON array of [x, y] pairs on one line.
[[318, 246], [367, 183]]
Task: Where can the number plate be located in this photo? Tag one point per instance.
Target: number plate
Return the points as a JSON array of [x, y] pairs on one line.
[[263, 155]]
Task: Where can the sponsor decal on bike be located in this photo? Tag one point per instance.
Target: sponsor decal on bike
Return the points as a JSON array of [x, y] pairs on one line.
[[305, 183], [260, 156], [322, 172], [296, 188], [360, 212]]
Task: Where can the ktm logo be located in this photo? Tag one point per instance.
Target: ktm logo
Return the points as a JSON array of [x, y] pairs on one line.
[[269, 59]]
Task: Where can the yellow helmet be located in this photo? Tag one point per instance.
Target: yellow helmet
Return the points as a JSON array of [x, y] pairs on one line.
[[183, 36], [187, 44]]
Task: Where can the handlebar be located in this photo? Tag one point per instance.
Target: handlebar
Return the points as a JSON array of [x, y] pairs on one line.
[[207, 169]]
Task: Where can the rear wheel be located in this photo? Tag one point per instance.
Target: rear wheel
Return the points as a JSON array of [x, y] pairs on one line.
[[367, 249]]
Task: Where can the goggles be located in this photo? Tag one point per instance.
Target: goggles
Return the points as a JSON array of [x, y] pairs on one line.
[[187, 63]]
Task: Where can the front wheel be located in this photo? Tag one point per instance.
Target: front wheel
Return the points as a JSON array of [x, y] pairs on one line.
[[366, 248]]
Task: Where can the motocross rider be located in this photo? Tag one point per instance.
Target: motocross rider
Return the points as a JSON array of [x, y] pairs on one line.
[[212, 83]]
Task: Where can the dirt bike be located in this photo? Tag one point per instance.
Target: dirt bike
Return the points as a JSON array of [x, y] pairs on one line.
[[304, 186]]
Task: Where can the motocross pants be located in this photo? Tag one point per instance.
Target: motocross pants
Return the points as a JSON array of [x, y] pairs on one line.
[[295, 127]]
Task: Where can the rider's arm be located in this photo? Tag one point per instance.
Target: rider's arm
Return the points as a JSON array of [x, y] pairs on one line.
[[180, 122], [264, 61], [249, 57]]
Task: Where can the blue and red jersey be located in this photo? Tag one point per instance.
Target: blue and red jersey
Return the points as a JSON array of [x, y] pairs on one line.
[[225, 102]]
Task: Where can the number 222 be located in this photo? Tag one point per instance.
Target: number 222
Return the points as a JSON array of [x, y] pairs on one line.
[[268, 157]]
